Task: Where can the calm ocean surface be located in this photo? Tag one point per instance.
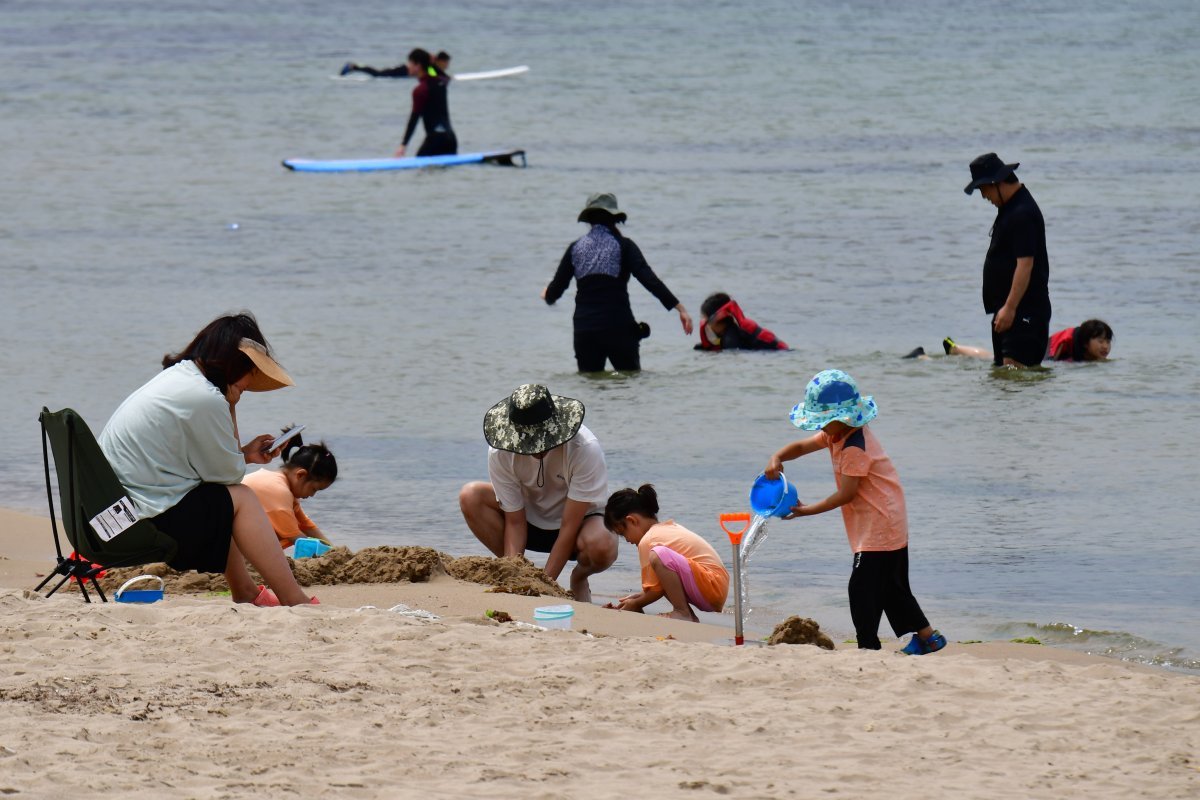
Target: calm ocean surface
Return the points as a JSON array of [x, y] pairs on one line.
[[806, 158]]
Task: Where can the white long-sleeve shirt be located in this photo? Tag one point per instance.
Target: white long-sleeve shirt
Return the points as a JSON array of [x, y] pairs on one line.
[[170, 436]]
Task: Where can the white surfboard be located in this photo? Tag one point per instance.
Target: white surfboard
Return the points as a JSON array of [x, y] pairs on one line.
[[495, 73], [361, 77]]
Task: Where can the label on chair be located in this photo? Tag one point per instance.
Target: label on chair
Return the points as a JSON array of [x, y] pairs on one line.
[[114, 519]]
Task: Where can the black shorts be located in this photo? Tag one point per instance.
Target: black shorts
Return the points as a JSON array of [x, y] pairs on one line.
[[202, 525], [540, 540], [1025, 342]]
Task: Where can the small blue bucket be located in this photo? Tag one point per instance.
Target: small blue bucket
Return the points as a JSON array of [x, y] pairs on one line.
[[308, 547], [773, 498], [127, 595]]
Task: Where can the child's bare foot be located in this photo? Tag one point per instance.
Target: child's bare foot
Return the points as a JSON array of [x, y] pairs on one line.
[[686, 616]]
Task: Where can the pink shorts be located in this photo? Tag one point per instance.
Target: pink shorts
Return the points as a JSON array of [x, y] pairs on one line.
[[683, 568]]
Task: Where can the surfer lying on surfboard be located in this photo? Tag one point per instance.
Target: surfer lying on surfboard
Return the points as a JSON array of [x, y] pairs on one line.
[[441, 61]]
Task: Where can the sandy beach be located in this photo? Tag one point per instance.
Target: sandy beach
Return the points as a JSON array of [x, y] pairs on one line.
[[196, 697]]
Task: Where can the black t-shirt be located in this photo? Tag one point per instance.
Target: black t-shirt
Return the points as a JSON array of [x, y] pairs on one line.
[[1018, 232]]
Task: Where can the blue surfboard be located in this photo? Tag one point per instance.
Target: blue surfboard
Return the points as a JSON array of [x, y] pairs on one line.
[[507, 158]]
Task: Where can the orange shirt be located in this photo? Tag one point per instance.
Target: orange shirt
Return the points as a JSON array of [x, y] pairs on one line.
[[283, 509], [711, 576], [876, 519]]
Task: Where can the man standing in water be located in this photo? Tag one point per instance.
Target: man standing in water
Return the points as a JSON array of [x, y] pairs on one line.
[[549, 484], [1016, 270]]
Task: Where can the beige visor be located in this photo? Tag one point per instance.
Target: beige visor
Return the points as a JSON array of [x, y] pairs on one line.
[[269, 374]]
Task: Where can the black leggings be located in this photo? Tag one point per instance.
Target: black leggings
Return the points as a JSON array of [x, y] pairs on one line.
[[618, 345], [879, 585], [444, 143]]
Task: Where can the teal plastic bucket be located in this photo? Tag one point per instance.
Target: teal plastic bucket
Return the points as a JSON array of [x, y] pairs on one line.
[[554, 616], [307, 547], [773, 498]]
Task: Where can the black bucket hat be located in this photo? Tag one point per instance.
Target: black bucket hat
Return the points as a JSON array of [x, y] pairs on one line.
[[532, 421], [988, 169]]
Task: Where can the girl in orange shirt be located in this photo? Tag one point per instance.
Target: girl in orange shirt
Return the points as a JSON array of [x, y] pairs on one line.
[[676, 563], [307, 469]]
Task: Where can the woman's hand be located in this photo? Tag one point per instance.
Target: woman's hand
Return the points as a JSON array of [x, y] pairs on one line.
[[257, 451], [685, 319], [400, 151], [544, 290]]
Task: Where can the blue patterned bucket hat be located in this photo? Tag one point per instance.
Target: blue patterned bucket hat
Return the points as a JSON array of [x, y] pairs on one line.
[[833, 395]]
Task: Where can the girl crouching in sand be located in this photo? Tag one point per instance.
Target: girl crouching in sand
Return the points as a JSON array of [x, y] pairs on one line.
[[307, 469], [676, 563]]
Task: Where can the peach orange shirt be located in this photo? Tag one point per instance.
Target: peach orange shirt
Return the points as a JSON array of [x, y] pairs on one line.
[[283, 509], [876, 519], [711, 576]]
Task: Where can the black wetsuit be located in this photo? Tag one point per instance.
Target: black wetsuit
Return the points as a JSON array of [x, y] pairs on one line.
[[605, 329], [431, 106], [391, 72]]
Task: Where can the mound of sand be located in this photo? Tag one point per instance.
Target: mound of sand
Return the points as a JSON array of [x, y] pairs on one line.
[[800, 630], [514, 574]]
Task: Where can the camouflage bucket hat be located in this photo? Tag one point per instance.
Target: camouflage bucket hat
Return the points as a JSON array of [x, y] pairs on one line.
[[532, 421]]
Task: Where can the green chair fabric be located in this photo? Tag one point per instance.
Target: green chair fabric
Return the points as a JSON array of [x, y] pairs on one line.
[[87, 486]]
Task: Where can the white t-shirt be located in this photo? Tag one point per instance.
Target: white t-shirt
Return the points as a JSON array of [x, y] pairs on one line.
[[574, 470]]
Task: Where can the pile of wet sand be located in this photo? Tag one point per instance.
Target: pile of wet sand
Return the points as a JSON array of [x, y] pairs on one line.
[[800, 630], [514, 574]]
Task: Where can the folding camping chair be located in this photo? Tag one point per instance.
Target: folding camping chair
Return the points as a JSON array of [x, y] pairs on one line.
[[88, 487]]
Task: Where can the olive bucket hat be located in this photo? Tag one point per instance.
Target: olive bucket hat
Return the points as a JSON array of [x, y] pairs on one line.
[[532, 421], [987, 169], [833, 395], [602, 208]]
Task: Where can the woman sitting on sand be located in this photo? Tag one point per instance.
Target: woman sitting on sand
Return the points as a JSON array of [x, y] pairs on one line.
[[676, 563], [174, 446]]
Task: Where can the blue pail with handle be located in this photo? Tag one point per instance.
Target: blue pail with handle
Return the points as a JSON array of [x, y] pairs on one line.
[[308, 547], [773, 498]]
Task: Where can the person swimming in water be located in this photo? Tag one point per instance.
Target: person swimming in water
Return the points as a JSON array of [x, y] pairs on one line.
[[441, 61]]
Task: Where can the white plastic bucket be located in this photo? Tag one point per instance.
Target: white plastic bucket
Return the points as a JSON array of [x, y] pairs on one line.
[[556, 617]]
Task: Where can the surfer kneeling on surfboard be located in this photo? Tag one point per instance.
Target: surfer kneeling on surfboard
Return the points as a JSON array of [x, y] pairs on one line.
[[429, 104]]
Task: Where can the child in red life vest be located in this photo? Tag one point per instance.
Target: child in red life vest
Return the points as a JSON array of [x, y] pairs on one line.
[[1090, 341], [723, 326]]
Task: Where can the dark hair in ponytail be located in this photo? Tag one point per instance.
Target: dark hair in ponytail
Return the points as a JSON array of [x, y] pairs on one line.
[[621, 504], [315, 459]]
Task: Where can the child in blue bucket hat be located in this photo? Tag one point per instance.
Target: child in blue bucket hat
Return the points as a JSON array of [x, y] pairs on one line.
[[873, 510]]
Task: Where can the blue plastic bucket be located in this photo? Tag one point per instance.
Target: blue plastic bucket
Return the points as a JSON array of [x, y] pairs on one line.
[[307, 547], [127, 595], [773, 498]]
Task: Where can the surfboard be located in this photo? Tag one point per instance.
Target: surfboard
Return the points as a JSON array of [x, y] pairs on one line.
[[361, 77], [506, 158], [487, 76]]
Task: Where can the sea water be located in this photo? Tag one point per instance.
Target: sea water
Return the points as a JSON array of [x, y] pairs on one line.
[[806, 158]]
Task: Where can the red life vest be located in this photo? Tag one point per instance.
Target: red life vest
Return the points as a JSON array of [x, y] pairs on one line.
[[763, 339]]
